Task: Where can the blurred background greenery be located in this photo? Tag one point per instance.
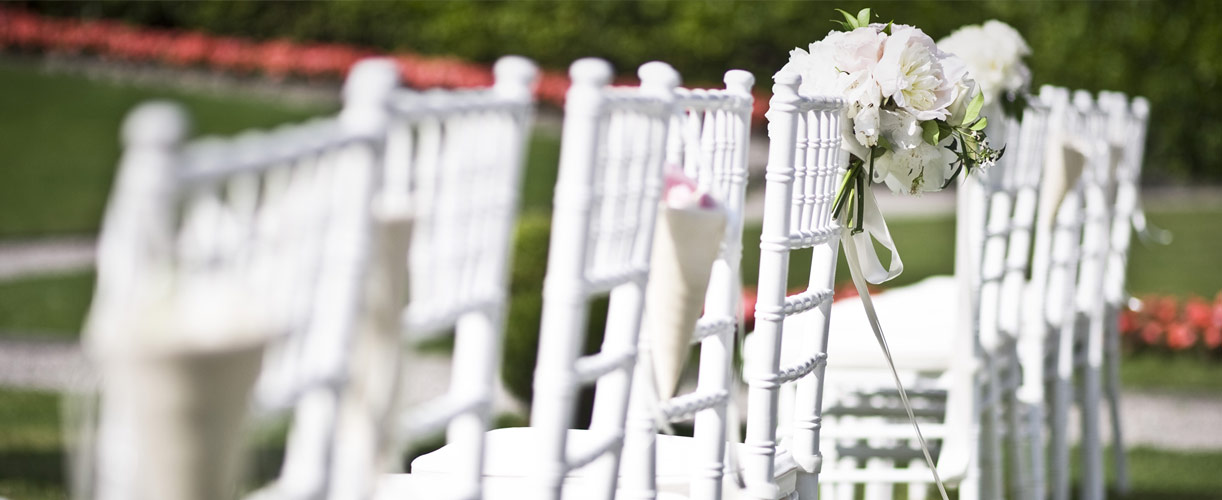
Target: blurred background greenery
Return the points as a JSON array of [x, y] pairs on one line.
[[1165, 50]]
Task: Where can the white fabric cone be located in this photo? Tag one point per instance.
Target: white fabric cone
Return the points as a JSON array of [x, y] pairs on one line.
[[1066, 162], [685, 244], [176, 377], [368, 435], [172, 421]]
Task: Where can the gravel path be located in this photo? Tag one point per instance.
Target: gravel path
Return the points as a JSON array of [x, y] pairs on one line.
[[57, 365], [1160, 420], [24, 258]]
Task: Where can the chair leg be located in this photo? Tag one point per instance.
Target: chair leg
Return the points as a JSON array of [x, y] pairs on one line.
[[918, 490], [1014, 431], [992, 474], [1037, 478], [1059, 442], [879, 491], [1112, 389], [1092, 446]]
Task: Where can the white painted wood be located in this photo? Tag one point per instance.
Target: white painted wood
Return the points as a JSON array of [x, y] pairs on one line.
[[271, 227], [612, 152], [804, 165], [966, 347], [708, 140], [452, 169]]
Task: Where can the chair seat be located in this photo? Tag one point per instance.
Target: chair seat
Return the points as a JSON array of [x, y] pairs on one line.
[[919, 321], [509, 460]]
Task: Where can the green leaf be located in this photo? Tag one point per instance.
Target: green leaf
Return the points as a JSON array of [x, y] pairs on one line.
[[863, 17], [931, 132], [980, 124], [973, 108], [850, 21]]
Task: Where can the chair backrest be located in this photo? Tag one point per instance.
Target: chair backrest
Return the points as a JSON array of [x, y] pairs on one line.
[[1127, 124], [1098, 189], [453, 168], [612, 152], [804, 164], [274, 224], [709, 138], [1051, 303]]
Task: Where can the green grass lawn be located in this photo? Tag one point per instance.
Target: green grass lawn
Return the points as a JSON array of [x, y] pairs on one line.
[[59, 138]]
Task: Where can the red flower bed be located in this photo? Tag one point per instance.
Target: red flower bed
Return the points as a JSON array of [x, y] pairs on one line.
[[1163, 323], [278, 59]]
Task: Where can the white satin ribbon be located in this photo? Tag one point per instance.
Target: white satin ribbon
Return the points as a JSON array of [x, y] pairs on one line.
[[856, 247], [1148, 233], [874, 227]]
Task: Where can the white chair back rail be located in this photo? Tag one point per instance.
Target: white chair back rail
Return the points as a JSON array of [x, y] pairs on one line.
[[454, 161], [708, 139], [610, 178], [274, 224], [804, 164], [1127, 138]]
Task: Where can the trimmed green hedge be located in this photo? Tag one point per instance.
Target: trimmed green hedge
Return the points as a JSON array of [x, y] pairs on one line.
[[1165, 50]]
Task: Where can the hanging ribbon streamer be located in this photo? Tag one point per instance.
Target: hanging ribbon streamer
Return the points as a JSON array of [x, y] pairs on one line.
[[856, 248], [1148, 233], [874, 228]]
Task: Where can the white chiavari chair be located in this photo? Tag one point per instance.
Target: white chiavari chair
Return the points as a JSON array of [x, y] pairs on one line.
[[1114, 137], [805, 163], [1049, 304], [612, 152], [1127, 137], [453, 167], [709, 139], [264, 235], [1079, 347], [959, 353]]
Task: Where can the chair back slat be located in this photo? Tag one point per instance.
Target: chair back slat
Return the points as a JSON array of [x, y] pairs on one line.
[[612, 152], [804, 164]]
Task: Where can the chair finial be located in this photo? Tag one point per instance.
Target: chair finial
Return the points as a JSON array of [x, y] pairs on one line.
[[590, 71], [1083, 100], [367, 94], [515, 75], [155, 124], [739, 81], [658, 75], [1141, 107]]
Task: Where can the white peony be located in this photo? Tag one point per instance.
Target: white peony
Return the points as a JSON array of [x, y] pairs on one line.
[[965, 88], [915, 170], [994, 55], [910, 72], [842, 64]]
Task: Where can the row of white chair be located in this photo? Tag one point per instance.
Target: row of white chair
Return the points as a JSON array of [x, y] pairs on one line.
[[963, 351], [339, 241]]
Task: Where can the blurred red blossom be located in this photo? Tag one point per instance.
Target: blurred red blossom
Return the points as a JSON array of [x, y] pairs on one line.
[[278, 59]]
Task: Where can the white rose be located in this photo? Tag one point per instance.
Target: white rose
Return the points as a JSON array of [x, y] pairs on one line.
[[910, 73]]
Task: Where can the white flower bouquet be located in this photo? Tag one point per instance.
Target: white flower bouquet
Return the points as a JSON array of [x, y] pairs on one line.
[[912, 118], [994, 53]]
